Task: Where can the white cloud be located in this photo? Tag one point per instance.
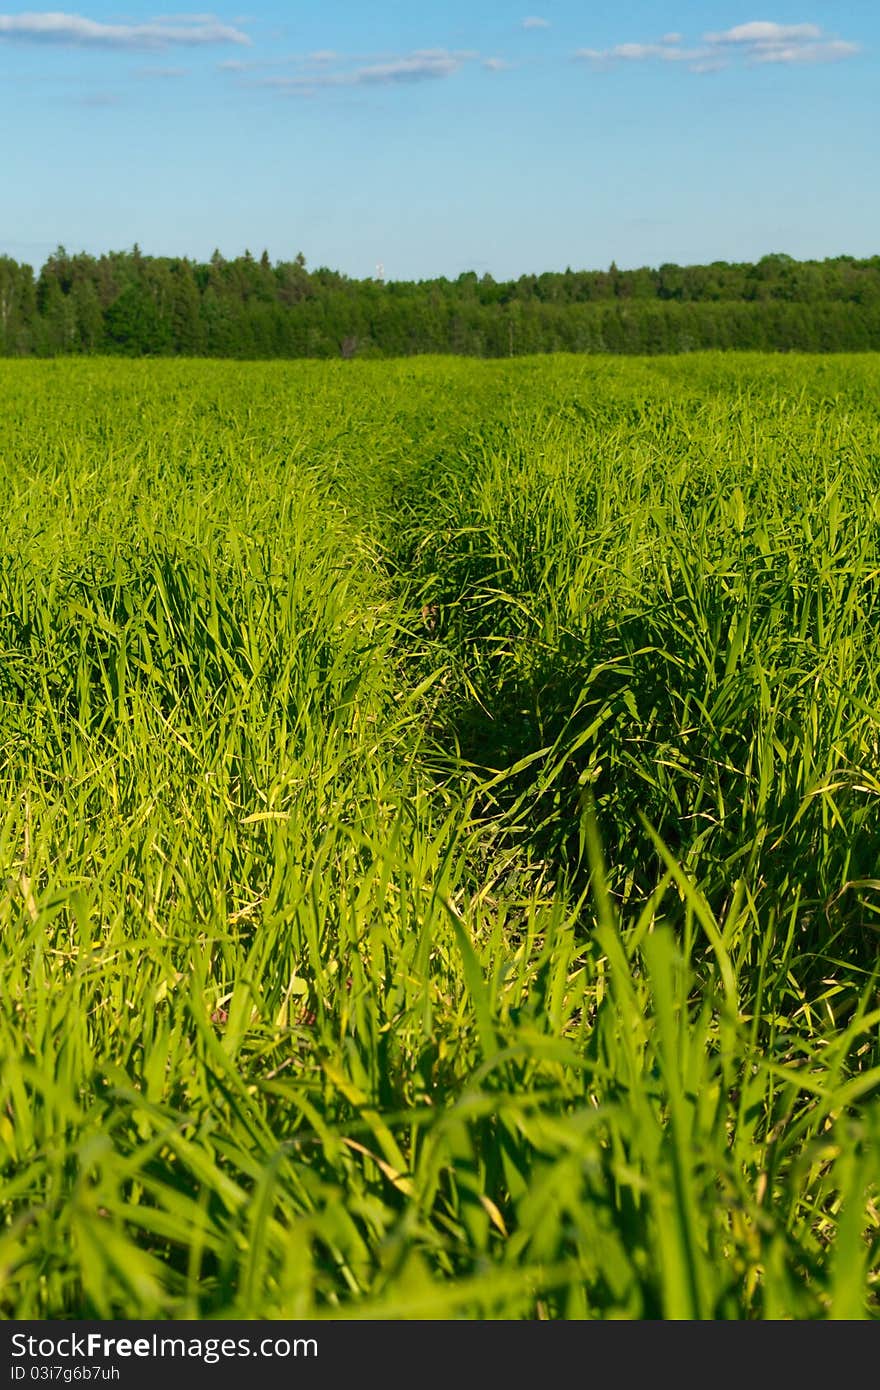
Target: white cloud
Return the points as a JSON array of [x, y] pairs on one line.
[[763, 41], [824, 51], [636, 52], [425, 65], [762, 31], [162, 72], [683, 55], [641, 53], [759, 41], [416, 69], [534, 21], [667, 53], [55, 27], [496, 65]]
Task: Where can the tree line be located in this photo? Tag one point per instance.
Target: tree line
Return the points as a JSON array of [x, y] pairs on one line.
[[131, 304]]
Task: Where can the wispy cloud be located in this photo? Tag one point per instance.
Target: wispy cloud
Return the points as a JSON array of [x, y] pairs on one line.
[[763, 31], [496, 65], [534, 21], [759, 41], [71, 29], [762, 41], [162, 74], [425, 65], [663, 52], [707, 65]]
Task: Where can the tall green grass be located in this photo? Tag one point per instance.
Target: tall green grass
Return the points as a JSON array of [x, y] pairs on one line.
[[440, 839]]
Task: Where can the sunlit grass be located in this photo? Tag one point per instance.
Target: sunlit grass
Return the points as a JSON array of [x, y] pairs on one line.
[[440, 839]]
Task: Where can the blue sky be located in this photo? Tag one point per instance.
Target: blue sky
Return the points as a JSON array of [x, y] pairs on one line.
[[440, 137]]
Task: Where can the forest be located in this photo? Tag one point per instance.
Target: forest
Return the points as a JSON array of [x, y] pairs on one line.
[[129, 304]]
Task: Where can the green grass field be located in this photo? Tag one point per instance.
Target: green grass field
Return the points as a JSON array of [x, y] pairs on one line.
[[440, 838]]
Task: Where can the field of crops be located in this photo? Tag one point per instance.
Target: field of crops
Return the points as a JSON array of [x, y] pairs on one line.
[[440, 838]]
